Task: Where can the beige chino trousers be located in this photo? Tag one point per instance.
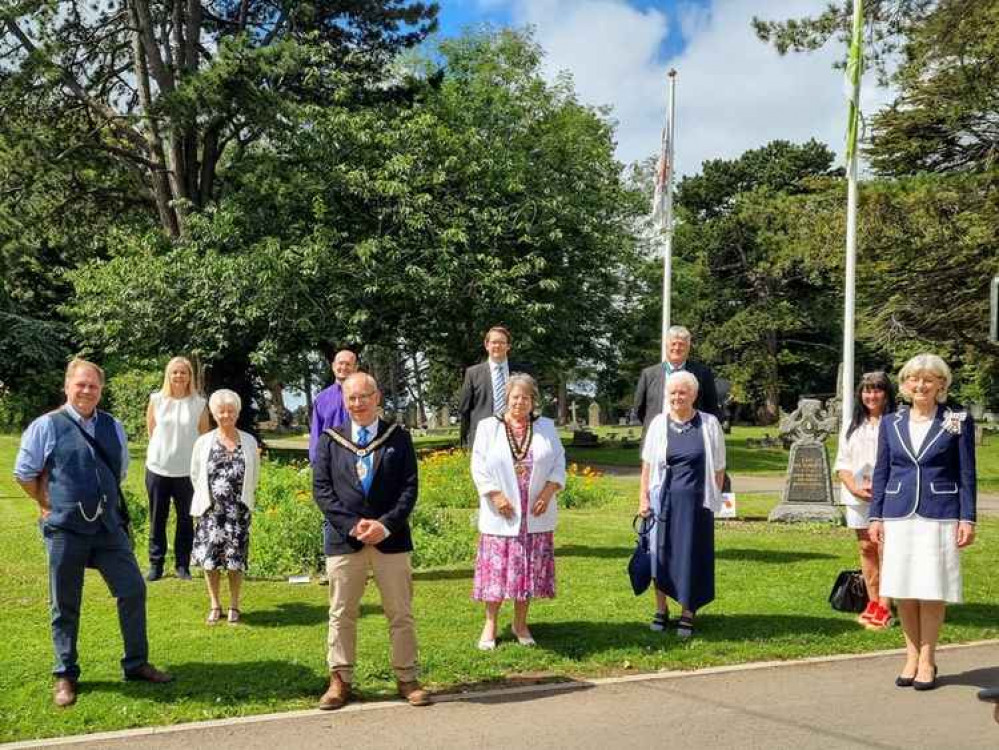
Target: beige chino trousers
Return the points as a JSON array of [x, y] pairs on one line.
[[348, 577]]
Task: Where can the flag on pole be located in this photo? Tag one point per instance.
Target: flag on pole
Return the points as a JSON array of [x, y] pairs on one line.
[[660, 210], [854, 70]]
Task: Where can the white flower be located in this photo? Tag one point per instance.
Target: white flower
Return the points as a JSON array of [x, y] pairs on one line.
[[952, 421]]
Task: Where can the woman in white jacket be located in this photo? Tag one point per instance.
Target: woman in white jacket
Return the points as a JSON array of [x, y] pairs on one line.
[[683, 467], [224, 471], [518, 466]]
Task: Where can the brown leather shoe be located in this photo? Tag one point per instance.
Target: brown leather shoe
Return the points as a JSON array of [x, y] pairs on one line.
[[148, 673], [413, 693], [64, 692], [336, 695]]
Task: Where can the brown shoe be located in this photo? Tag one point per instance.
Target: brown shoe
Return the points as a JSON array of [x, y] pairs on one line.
[[148, 673], [414, 694], [64, 692], [336, 695]]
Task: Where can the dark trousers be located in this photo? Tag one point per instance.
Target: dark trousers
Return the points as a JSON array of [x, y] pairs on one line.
[[110, 552], [161, 491]]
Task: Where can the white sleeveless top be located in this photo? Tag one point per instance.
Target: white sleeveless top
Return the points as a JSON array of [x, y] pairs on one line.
[[170, 447]]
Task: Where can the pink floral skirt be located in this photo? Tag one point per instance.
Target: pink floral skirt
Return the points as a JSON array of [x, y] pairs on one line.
[[515, 567]]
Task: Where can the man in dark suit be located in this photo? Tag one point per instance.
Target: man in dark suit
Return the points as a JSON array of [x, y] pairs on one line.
[[651, 388], [483, 392], [365, 483]]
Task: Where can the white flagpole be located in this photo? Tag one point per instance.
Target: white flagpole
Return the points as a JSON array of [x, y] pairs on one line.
[[667, 228], [854, 70]]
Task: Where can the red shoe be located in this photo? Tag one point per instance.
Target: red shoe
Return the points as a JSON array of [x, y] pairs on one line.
[[868, 613], [881, 620]]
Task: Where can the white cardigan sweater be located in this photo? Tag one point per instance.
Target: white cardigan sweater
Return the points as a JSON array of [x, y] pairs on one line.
[[492, 470], [656, 450], [202, 500]]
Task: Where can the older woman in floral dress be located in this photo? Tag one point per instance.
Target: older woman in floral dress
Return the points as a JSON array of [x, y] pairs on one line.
[[224, 471], [518, 466]]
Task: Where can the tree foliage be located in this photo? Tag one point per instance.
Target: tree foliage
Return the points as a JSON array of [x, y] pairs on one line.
[[493, 197]]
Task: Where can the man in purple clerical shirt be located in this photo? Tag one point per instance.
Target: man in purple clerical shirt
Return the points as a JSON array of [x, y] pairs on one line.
[[329, 409]]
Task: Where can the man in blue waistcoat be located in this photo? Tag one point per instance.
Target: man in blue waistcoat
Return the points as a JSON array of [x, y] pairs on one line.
[[71, 462]]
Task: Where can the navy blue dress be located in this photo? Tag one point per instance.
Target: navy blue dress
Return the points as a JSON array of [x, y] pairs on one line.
[[685, 555]]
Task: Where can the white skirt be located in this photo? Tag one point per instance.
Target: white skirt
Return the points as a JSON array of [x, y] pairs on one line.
[[921, 560]]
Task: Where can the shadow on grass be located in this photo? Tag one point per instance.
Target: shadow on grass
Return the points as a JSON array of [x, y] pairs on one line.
[[775, 556], [580, 640], [215, 682], [981, 615], [454, 574], [289, 614], [582, 550], [523, 688]]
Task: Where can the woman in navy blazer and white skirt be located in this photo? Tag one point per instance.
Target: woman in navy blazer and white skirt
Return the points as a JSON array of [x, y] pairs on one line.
[[923, 509]]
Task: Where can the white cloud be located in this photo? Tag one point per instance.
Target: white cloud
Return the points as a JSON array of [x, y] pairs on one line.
[[733, 92]]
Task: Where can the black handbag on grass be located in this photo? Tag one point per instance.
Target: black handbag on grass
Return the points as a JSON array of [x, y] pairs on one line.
[[849, 593]]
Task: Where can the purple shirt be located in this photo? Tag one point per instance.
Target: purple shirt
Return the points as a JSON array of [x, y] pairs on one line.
[[328, 411]]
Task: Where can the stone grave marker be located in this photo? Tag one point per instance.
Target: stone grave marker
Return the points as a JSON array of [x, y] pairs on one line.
[[807, 494]]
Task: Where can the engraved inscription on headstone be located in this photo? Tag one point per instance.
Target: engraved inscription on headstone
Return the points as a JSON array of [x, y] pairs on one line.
[[807, 494], [808, 478]]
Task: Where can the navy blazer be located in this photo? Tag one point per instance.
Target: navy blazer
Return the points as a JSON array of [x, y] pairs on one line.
[[937, 483], [391, 498]]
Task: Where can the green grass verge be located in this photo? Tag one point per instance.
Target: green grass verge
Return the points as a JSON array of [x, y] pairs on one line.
[[772, 585]]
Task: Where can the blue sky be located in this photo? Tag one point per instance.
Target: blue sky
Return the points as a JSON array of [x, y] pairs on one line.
[[733, 92], [457, 14]]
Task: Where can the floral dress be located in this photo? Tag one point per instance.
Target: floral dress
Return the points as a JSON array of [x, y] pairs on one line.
[[222, 538], [516, 567]]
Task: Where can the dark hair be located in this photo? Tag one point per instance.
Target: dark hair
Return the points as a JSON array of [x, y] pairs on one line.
[[878, 380]]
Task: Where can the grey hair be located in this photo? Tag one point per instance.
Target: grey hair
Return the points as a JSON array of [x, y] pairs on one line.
[[224, 397], [368, 379], [677, 332], [525, 381], [930, 363], [685, 378]]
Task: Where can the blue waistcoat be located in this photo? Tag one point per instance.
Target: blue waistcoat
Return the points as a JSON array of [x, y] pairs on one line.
[[81, 485]]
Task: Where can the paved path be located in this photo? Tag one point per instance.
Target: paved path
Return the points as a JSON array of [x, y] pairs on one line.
[[822, 704]]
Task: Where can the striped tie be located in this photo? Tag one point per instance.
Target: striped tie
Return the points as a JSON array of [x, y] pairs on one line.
[[499, 390]]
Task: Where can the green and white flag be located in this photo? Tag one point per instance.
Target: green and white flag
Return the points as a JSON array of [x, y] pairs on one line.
[[854, 70]]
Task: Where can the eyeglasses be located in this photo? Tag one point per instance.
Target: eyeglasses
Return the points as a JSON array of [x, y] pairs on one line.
[[357, 398]]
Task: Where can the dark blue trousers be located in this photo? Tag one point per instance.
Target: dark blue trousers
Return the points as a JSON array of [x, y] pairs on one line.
[[110, 552]]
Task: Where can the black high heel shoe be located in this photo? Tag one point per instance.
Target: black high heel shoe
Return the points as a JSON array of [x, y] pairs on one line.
[[917, 685]]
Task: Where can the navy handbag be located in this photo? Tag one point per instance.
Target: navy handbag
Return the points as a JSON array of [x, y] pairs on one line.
[[640, 565]]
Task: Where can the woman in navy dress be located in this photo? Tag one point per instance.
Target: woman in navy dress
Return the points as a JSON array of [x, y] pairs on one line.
[[683, 467], [923, 509]]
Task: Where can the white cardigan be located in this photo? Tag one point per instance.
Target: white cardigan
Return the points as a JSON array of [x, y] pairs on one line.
[[202, 500], [655, 452], [492, 470]]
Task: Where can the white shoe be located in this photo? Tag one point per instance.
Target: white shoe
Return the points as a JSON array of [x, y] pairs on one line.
[[487, 645], [528, 641]]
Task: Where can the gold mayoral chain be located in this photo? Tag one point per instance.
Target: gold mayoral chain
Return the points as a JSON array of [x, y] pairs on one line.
[[361, 453], [519, 449]]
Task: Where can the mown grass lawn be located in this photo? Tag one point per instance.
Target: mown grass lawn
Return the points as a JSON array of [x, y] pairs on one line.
[[772, 585]]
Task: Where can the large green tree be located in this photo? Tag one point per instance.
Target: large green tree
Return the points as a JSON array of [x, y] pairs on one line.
[[492, 197]]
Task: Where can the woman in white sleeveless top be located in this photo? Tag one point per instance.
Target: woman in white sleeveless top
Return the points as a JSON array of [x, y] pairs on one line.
[[176, 416]]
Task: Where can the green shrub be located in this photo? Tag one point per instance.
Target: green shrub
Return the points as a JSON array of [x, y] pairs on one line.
[[127, 396], [286, 537], [446, 482]]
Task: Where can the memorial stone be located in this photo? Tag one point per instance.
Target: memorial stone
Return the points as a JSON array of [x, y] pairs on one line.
[[593, 417], [807, 494]]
